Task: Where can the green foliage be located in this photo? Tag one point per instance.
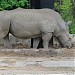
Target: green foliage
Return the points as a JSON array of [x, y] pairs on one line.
[[12, 4], [72, 29], [66, 10]]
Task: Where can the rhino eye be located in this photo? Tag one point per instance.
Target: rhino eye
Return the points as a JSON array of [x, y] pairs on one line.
[[69, 39]]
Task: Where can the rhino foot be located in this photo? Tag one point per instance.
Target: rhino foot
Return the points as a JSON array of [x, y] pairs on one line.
[[7, 43]]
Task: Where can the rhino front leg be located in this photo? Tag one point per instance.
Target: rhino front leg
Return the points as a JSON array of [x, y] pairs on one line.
[[7, 42], [46, 37]]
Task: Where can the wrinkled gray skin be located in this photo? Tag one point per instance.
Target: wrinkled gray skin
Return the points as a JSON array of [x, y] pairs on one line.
[[28, 23]]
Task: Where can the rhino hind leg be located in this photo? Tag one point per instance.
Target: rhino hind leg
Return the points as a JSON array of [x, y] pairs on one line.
[[46, 37], [36, 42], [7, 42]]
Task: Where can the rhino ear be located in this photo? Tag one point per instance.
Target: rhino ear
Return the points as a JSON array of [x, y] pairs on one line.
[[68, 23]]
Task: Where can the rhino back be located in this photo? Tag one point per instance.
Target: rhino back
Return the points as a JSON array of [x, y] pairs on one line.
[[56, 15]]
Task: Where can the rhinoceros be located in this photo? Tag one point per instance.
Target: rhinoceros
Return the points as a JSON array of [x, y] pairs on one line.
[[60, 23], [28, 23]]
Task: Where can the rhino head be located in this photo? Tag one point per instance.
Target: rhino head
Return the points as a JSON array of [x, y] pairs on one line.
[[64, 40], [63, 37]]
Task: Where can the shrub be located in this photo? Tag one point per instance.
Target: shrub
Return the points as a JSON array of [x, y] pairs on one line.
[[12, 4]]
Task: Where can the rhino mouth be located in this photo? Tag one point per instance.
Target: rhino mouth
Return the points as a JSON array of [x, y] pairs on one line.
[[64, 44]]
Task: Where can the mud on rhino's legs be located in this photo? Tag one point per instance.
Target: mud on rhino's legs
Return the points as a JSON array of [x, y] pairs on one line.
[[7, 42], [46, 37]]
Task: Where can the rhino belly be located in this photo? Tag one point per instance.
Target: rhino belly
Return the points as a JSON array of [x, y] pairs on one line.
[[22, 29]]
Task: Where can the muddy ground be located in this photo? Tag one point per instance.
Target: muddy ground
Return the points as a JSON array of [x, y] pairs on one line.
[[22, 59]]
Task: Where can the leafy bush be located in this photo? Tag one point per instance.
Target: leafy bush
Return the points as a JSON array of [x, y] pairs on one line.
[[12, 4]]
